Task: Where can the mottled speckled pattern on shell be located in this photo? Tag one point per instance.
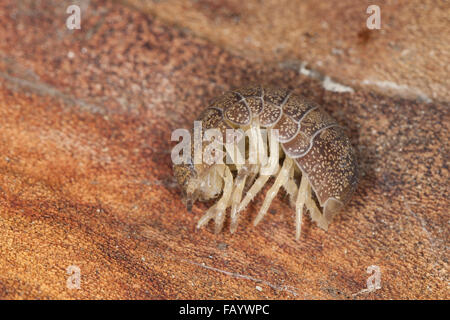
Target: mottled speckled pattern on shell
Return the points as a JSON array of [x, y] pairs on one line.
[[307, 134]]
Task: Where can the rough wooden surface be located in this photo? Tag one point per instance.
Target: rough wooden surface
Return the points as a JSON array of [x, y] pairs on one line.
[[86, 180], [408, 56]]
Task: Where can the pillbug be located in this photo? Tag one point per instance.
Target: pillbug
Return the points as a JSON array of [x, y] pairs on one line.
[[316, 165]]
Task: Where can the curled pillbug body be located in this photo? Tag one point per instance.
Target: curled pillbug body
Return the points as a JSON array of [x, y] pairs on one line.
[[318, 169]]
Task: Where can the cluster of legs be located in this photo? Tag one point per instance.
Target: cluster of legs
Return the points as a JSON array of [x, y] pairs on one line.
[[254, 177]]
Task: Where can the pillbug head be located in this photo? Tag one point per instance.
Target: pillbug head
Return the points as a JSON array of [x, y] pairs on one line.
[[198, 182], [184, 174]]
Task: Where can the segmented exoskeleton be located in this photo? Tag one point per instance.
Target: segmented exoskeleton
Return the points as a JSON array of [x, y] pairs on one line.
[[318, 170]]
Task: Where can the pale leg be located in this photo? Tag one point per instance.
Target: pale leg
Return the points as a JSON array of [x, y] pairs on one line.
[[281, 179], [262, 179], [256, 187], [256, 152], [315, 213], [210, 213], [291, 188], [236, 198], [253, 173], [301, 199], [218, 210]]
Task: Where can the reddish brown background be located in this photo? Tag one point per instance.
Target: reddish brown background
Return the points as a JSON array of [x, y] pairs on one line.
[[85, 169]]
